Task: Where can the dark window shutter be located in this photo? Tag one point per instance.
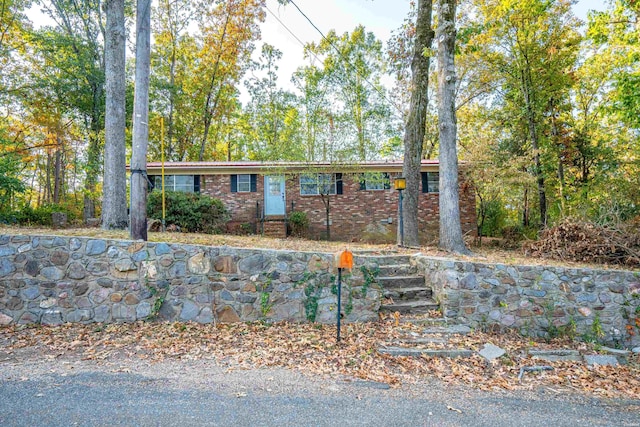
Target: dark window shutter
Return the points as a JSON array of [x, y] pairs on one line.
[[363, 182], [196, 183], [254, 183], [234, 183], [387, 180], [425, 182], [151, 183], [338, 183]]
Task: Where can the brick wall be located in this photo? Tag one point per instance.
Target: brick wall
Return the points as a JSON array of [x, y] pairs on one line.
[[242, 206], [355, 215]]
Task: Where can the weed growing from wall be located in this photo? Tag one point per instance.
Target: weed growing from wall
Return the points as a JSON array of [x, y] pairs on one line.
[[370, 276], [565, 331], [265, 298]]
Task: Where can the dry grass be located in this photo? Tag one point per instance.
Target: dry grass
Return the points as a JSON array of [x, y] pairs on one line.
[[480, 254]]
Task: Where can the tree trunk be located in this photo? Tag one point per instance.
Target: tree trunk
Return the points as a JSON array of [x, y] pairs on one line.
[[93, 156], [327, 213], [207, 113], [114, 202], [525, 209], [93, 161], [415, 126], [138, 227], [556, 137], [57, 174], [533, 135], [48, 190], [450, 228], [172, 99]]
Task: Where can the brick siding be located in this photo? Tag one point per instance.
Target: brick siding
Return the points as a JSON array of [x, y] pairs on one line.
[[355, 215]]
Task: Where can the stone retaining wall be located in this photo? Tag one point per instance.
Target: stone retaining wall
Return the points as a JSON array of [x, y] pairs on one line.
[[52, 280], [537, 300]]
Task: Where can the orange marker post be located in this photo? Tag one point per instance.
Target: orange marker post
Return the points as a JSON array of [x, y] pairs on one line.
[[342, 259]]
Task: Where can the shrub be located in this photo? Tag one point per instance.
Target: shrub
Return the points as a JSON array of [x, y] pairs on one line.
[[299, 222], [493, 219], [35, 216], [192, 212]]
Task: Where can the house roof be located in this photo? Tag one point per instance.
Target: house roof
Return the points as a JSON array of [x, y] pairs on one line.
[[215, 168]]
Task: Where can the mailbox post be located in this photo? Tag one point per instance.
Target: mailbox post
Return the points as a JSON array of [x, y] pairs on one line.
[[343, 259]]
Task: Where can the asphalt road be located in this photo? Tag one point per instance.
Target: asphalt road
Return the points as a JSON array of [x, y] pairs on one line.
[[54, 392]]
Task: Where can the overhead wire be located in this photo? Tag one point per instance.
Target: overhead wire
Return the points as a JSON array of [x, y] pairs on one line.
[[340, 54], [303, 44]]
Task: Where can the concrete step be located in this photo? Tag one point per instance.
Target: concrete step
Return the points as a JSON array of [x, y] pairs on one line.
[[447, 330], [398, 270], [401, 281], [423, 320], [410, 307], [419, 293], [423, 340], [382, 260], [417, 352]]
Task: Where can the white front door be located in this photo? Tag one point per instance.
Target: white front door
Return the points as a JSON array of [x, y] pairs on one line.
[[274, 202]]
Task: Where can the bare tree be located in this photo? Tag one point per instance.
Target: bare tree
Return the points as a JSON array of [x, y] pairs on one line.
[[138, 225], [114, 202], [450, 228], [415, 126]]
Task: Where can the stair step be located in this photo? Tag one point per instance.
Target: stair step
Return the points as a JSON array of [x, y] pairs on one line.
[[275, 229], [419, 292], [417, 352], [447, 330], [423, 320], [408, 307], [401, 281], [423, 340], [382, 260], [398, 270]]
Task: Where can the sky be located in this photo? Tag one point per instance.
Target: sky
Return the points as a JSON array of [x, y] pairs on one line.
[[379, 16]]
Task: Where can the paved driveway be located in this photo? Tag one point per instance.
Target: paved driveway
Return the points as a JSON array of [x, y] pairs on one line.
[[69, 392]]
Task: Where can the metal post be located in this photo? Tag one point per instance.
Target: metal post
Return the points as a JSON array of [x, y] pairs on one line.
[[401, 220], [339, 301], [164, 205]]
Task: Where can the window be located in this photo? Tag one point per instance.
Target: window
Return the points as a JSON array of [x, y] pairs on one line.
[[375, 181], [430, 182], [244, 183], [320, 183], [185, 183]]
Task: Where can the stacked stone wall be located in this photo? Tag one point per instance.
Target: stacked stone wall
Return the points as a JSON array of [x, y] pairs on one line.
[[53, 280], [537, 300]]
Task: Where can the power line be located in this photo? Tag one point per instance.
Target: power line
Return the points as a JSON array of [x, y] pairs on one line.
[[288, 30], [303, 44], [340, 55]]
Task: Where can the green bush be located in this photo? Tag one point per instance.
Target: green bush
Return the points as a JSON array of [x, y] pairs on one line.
[[192, 212], [35, 216], [299, 222], [495, 216]]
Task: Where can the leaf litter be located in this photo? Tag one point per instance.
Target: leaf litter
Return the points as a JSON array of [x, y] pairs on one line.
[[312, 349]]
